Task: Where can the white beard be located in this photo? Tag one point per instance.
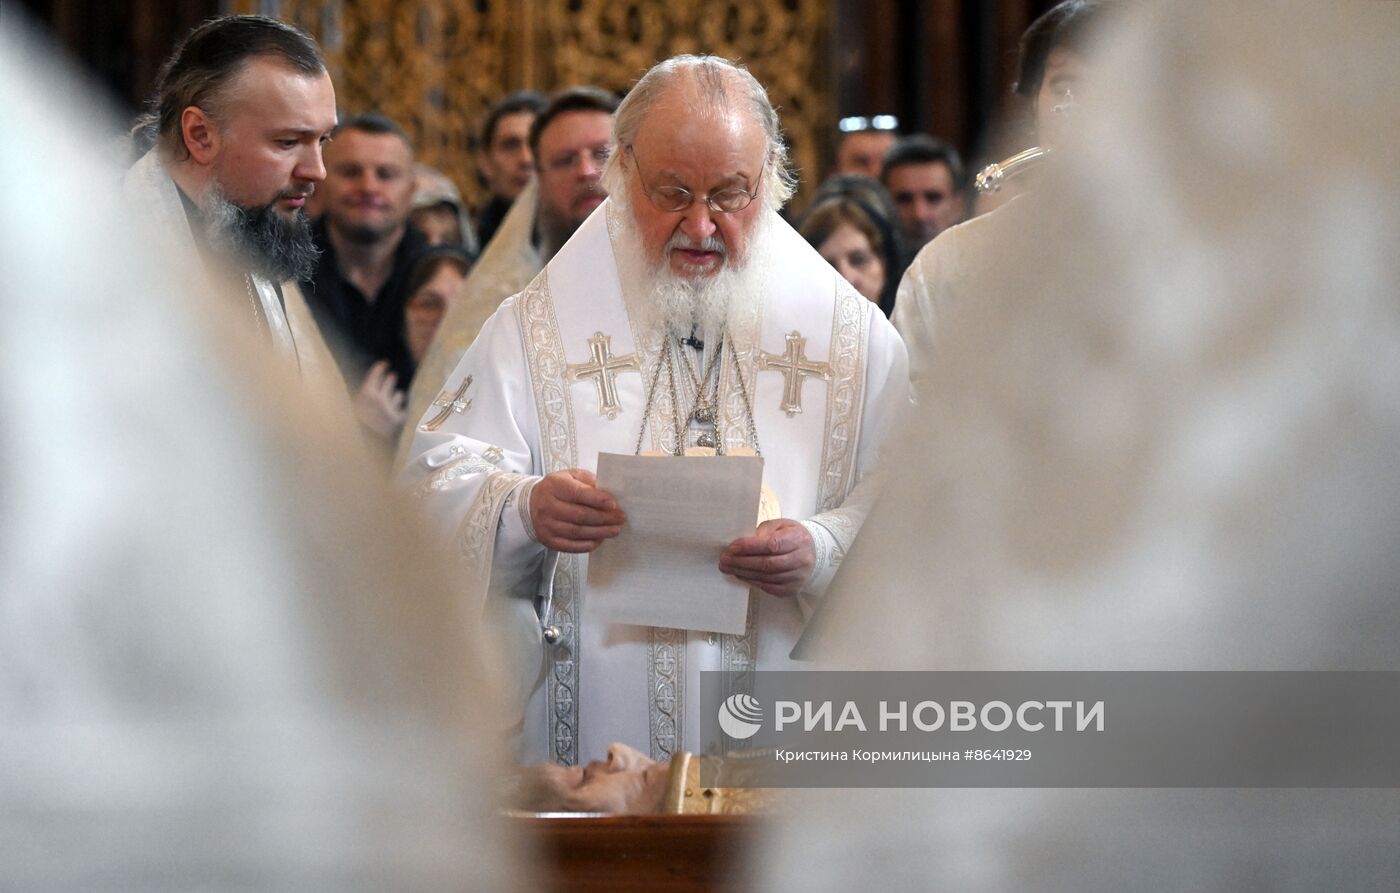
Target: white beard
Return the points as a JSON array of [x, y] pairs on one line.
[[705, 304]]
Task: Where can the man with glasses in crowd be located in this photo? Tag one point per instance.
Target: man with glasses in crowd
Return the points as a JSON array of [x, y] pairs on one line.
[[684, 317], [864, 143]]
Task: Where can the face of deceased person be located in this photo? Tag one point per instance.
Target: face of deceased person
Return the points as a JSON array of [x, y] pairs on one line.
[[626, 783]]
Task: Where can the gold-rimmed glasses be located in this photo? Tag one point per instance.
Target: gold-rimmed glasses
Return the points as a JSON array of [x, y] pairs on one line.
[[678, 198]]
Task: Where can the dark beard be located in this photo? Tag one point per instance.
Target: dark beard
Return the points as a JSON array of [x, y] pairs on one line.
[[275, 247]]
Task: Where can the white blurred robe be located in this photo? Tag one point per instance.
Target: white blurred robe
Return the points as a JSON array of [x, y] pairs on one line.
[[961, 265], [1159, 429], [606, 682], [224, 664]]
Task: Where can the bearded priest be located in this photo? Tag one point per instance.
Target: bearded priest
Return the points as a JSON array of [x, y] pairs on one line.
[[240, 113], [683, 316]]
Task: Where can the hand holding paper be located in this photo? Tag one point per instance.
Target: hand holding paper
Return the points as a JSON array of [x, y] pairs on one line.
[[570, 513], [682, 512], [777, 558]]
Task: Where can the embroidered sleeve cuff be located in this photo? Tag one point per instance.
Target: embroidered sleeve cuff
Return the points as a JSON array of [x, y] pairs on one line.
[[522, 501], [516, 531], [823, 569]]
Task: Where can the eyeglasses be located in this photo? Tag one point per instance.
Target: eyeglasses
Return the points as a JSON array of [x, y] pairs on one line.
[[678, 198], [858, 123]]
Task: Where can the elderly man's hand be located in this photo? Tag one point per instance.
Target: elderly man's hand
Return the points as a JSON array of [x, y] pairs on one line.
[[777, 558], [570, 513]]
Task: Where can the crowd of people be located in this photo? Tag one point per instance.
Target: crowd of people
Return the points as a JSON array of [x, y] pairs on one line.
[[394, 240], [630, 284], [1140, 416], [385, 225]]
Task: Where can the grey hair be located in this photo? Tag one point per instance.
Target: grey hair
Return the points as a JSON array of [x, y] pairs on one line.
[[719, 81]]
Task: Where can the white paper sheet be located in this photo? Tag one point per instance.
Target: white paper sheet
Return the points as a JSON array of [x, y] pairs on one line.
[[663, 569]]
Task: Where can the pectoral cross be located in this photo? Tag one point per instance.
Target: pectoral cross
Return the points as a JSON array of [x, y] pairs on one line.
[[795, 367], [449, 403], [604, 370]]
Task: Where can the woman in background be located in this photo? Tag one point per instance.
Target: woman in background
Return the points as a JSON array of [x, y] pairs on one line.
[[434, 282], [851, 224]]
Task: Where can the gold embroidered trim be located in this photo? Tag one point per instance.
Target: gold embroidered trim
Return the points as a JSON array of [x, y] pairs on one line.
[[603, 370], [478, 530], [666, 686], [463, 463], [796, 368], [850, 324], [544, 353], [449, 403]]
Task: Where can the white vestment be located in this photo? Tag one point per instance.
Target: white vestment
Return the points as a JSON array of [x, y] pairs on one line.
[[151, 193], [526, 413], [507, 265], [1160, 430], [962, 264], [211, 672]]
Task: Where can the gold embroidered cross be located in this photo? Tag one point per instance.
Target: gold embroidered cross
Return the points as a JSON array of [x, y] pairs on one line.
[[449, 403], [795, 367], [604, 370]]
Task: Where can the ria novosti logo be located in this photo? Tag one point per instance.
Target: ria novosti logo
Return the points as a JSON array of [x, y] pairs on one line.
[[740, 716]]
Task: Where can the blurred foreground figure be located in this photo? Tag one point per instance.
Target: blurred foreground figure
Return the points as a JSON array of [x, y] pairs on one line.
[[1165, 435], [223, 665], [968, 264]]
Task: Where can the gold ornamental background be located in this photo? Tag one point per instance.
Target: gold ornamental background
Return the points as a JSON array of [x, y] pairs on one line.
[[435, 67]]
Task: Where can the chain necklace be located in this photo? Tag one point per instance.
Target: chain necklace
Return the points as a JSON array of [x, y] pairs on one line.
[[748, 404], [706, 407]]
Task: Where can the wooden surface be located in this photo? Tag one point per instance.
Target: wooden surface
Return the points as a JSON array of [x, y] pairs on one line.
[[665, 854]]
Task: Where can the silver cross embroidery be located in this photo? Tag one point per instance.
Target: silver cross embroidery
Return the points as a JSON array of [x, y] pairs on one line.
[[604, 370], [449, 403], [795, 367]]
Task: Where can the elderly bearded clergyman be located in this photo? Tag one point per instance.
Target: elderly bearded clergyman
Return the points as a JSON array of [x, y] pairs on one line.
[[684, 313]]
